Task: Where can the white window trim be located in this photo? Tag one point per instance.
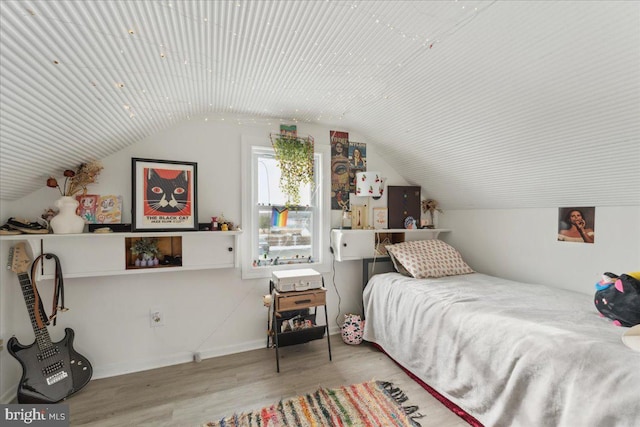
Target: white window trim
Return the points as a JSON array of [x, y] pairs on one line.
[[249, 237]]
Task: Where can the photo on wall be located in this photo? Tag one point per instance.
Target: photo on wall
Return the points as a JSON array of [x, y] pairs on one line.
[[357, 162], [576, 224]]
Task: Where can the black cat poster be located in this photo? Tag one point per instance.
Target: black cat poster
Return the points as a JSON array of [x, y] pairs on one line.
[[164, 195]]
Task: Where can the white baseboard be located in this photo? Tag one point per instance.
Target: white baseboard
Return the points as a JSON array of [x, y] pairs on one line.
[[116, 369], [183, 357], [174, 359]]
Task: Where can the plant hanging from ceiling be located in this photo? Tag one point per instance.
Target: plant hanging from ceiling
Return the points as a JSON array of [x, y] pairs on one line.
[[295, 159]]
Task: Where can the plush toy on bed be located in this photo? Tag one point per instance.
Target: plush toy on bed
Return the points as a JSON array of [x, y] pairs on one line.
[[618, 298]]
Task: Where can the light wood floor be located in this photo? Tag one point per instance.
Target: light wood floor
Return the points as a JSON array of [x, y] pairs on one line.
[[192, 394]]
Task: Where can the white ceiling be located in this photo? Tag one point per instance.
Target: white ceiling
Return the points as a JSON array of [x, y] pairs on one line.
[[485, 104]]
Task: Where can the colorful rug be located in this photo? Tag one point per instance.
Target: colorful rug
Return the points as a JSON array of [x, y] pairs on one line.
[[371, 404]]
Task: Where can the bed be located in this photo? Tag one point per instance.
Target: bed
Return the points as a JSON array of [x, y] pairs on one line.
[[507, 353]]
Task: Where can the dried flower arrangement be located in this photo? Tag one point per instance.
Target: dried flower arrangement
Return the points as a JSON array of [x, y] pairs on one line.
[[430, 205], [77, 181]]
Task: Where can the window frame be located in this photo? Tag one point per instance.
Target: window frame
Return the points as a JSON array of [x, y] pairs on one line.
[[321, 218]]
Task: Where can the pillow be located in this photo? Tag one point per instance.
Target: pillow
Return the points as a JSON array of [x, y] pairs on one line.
[[429, 258]]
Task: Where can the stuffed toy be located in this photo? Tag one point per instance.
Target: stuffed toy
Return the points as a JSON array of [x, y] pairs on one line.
[[618, 298]]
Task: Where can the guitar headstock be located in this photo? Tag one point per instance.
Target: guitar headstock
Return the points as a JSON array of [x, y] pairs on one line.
[[19, 259]]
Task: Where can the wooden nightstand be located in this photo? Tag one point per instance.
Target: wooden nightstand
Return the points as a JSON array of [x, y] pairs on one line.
[[294, 308]]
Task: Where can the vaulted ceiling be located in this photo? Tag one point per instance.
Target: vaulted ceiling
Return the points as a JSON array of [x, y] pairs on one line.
[[486, 104]]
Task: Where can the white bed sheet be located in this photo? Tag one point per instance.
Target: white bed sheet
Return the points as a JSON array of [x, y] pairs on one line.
[[508, 353]]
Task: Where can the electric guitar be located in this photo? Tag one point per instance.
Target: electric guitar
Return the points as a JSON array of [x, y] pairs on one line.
[[51, 372]]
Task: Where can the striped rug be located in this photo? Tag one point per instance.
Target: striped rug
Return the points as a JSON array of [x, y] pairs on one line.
[[371, 404]]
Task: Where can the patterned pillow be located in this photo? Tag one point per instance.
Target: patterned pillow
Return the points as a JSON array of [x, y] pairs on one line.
[[429, 258]]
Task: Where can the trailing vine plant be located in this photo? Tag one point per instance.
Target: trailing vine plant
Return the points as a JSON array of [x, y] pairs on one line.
[[295, 159]]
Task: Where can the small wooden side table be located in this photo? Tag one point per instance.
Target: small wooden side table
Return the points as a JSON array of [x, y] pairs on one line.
[[294, 305]]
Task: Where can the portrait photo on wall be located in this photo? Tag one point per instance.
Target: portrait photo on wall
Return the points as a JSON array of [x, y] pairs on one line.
[[357, 162], [164, 195], [576, 224]]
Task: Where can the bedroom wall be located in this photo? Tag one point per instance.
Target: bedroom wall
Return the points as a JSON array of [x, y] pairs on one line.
[[520, 244], [214, 312]]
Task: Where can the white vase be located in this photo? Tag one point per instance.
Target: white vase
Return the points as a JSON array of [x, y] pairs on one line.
[[67, 221]]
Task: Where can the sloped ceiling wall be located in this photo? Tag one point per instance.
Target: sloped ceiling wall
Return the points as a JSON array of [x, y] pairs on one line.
[[485, 104]]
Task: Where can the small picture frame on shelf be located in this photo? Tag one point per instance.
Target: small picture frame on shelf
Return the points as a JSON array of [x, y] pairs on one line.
[[164, 195], [359, 217], [380, 218], [346, 219]]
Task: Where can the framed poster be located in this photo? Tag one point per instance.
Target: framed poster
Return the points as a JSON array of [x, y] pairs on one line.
[[164, 195], [380, 218]]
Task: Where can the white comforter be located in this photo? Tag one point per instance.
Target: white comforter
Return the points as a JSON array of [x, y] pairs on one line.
[[508, 353]]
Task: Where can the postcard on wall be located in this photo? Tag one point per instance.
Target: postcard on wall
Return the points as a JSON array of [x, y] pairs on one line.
[[109, 209], [290, 131], [357, 162], [577, 224], [358, 156]]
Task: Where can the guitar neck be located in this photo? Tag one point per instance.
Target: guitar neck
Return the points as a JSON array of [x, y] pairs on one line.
[[42, 334]]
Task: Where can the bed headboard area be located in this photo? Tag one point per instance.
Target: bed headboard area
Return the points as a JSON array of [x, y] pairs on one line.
[[373, 266], [420, 259]]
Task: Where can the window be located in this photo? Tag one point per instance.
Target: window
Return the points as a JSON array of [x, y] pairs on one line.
[[279, 237]]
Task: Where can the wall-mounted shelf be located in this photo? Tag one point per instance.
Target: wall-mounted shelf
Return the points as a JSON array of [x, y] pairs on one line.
[[98, 254], [348, 245]]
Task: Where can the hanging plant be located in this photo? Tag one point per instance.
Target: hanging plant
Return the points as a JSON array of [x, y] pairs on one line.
[[295, 159]]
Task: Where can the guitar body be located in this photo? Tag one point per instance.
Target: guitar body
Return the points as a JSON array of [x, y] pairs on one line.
[[52, 375]]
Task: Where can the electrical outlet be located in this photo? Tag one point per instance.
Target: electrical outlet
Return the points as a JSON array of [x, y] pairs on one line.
[[156, 317]]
